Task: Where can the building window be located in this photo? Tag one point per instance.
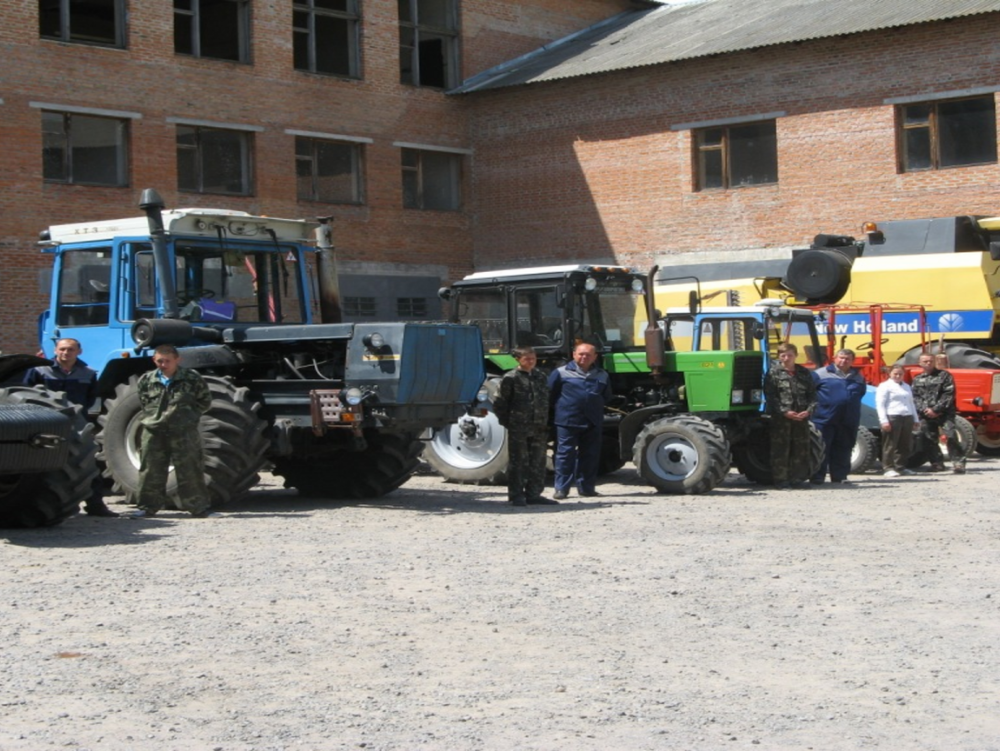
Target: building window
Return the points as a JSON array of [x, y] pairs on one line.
[[212, 160], [325, 34], [92, 22], [362, 307], [431, 180], [411, 307], [328, 171], [84, 150], [212, 28], [947, 134], [735, 156], [428, 43]]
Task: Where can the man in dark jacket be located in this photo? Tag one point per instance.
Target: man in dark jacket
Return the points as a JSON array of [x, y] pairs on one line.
[[839, 390], [934, 398], [579, 391], [790, 394], [522, 406], [69, 374]]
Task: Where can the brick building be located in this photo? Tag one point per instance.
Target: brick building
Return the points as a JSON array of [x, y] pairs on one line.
[[731, 125], [447, 135], [299, 109]]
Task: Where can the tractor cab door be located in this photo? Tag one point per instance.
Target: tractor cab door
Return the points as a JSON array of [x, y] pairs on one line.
[[86, 286]]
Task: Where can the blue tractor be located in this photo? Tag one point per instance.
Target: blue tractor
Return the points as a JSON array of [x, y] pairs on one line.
[[252, 303]]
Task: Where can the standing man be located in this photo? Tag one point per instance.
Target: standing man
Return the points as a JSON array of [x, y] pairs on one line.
[[790, 393], [839, 390], [173, 399], [69, 374], [579, 390], [934, 397], [522, 406]]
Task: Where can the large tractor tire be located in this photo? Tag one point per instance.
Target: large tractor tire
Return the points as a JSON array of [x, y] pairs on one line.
[[966, 435], [232, 437], [387, 462], [682, 455], [960, 355], [472, 451], [866, 452], [48, 498], [753, 457], [987, 443]]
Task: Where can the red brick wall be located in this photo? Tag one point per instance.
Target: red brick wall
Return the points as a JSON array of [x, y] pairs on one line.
[[147, 78], [589, 168]]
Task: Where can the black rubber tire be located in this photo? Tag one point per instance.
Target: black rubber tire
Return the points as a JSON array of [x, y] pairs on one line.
[[960, 355], [49, 498], [987, 444], [964, 431], [753, 456], [611, 455], [866, 452], [231, 432], [388, 462], [682, 455], [471, 451]]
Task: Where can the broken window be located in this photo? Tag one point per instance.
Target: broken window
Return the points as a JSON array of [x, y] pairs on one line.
[[84, 150], [325, 34], [213, 160], [83, 21], [218, 29], [736, 156], [947, 134], [428, 43], [431, 179], [328, 171]]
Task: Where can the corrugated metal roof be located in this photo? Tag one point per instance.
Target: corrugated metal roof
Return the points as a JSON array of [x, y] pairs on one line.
[[686, 29]]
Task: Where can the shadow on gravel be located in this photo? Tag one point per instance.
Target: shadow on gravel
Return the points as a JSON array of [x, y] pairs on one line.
[[84, 531]]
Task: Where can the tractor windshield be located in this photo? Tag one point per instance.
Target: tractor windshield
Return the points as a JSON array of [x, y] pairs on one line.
[[221, 286], [611, 315]]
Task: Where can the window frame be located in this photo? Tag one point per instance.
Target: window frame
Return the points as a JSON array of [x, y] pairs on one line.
[[69, 177], [726, 154], [246, 143], [420, 203], [360, 306], [932, 126], [66, 25], [352, 17], [195, 13], [357, 174], [409, 50]]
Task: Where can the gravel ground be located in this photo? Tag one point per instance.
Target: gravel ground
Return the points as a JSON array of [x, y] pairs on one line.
[[844, 617]]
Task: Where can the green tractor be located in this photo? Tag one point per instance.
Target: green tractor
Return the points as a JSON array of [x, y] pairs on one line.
[[688, 386]]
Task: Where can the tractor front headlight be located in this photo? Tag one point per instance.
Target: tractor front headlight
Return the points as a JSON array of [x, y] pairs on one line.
[[737, 396], [353, 397]]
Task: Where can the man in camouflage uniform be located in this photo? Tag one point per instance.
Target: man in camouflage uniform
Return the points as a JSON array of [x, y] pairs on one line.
[[173, 400], [522, 406], [790, 393], [934, 398]]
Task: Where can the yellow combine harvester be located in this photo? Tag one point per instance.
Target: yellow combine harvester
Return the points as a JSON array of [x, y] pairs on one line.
[[950, 266]]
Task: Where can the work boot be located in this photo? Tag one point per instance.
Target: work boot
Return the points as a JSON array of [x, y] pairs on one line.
[[98, 508], [959, 468], [937, 467]]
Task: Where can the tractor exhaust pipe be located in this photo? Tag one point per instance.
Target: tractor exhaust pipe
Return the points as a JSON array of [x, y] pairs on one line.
[[151, 203], [655, 340], [330, 310]]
